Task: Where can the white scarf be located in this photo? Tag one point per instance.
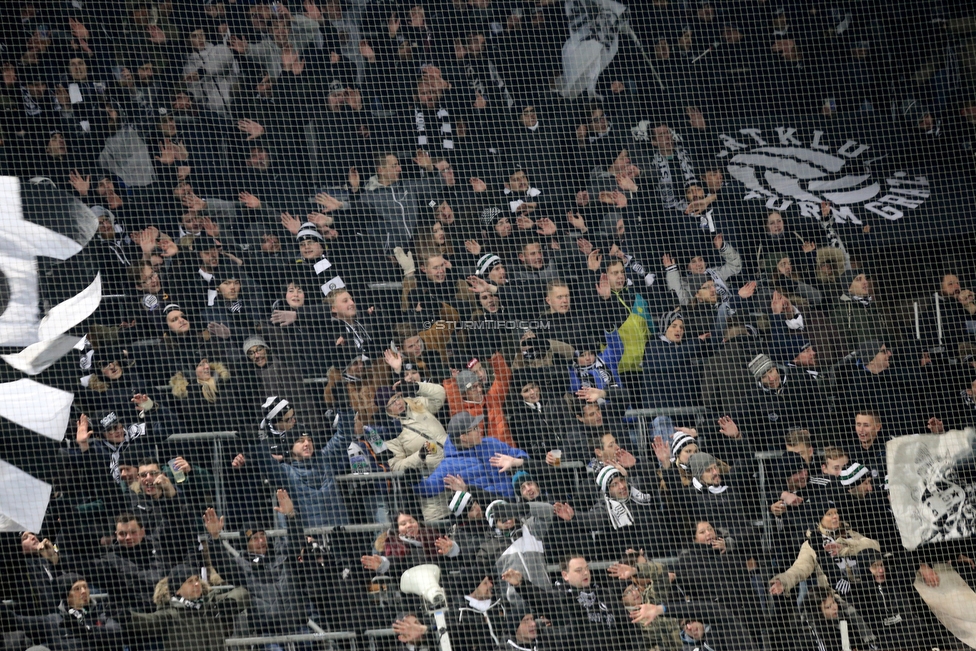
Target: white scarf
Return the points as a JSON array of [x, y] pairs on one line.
[[618, 512], [714, 490], [796, 322]]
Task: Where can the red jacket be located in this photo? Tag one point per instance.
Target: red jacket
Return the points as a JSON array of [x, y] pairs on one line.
[[491, 406]]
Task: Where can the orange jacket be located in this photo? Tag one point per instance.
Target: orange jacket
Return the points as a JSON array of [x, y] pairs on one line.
[[491, 406]]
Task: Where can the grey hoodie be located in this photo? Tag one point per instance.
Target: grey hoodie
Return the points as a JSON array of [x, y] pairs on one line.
[[397, 207], [687, 286]]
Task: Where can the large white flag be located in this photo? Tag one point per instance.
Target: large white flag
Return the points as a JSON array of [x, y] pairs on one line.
[[594, 36], [932, 485]]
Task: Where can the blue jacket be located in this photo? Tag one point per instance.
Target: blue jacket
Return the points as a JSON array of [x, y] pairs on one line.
[[473, 466], [311, 483]]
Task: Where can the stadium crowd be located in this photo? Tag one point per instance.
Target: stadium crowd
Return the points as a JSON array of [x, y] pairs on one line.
[[382, 235]]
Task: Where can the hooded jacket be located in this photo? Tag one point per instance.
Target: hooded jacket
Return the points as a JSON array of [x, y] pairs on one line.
[[685, 286], [859, 320], [419, 427], [276, 601], [796, 404], [397, 208], [311, 482], [671, 373]]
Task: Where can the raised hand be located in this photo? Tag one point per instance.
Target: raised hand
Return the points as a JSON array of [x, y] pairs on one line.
[[504, 462], [563, 511], [283, 317], [444, 545], [646, 614], [366, 50], [621, 571], [146, 239], [79, 183], [285, 505], [371, 562], [626, 183], [512, 577], [218, 330], [409, 630], [590, 394], [455, 483], [213, 524], [477, 284], [328, 202], [603, 287], [83, 433], [728, 427], [249, 200], [394, 360], [594, 260], [576, 220], [251, 128], [545, 227], [238, 44], [312, 11], [291, 224], [662, 451], [747, 290], [422, 158]]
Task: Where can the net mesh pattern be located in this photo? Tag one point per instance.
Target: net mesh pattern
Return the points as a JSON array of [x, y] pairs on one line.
[[487, 324]]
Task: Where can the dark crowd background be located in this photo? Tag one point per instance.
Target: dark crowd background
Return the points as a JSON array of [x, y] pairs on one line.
[[378, 236]]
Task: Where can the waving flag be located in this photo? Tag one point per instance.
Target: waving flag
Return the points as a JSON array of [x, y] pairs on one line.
[[36, 220]]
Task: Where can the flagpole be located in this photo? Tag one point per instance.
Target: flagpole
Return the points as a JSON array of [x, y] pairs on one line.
[[640, 46]]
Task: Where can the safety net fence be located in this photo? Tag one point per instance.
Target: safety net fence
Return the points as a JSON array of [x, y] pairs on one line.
[[487, 324]]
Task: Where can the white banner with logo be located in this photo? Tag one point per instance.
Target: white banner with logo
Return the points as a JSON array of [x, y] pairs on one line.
[[932, 486]]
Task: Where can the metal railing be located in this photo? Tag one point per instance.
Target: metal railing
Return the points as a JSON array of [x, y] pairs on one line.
[[289, 641], [394, 476], [218, 457], [645, 416]]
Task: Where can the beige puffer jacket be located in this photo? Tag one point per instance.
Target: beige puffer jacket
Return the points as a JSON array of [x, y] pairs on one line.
[[420, 426], [806, 562]]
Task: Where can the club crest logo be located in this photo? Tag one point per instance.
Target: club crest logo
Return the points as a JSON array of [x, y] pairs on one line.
[[786, 168]]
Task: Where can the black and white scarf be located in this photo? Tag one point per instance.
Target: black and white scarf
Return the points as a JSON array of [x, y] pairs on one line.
[[356, 331], [618, 512], [670, 195], [81, 617], [863, 301], [445, 131], [714, 490], [603, 376], [186, 604]]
